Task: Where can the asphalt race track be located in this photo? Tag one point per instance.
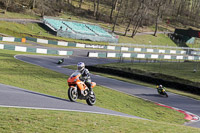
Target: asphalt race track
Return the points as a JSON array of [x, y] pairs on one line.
[[25, 98]]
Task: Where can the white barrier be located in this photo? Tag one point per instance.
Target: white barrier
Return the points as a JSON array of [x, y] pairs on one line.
[[42, 41], [126, 55], [141, 56], [20, 49], [93, 55], [154, 56], [41, 51], [1, 46], [111, 47], [111, 55], [8, 39], [62, 43], [80, 45]]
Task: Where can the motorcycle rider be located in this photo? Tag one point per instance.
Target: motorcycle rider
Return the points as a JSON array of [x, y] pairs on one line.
[[159, 88], [85, 75], [61, 61]]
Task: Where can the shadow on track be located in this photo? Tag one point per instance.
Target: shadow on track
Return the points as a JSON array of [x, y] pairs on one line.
[[40, 94], [150, 95]]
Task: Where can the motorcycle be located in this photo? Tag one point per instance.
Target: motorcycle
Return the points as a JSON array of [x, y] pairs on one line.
[[162, 92], [60, 61], [79, 90]]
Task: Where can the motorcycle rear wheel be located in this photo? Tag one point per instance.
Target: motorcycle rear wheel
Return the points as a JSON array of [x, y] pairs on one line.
[[166, 94], [72, 94], [91, 100]]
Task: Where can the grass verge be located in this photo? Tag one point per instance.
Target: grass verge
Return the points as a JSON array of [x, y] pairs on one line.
[[28, 120], [23, 75], [161, 40]]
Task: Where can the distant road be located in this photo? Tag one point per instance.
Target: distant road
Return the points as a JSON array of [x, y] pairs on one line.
[[21, 20], [144, 33]]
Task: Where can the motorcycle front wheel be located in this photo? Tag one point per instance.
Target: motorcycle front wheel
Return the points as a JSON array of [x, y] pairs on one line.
[[91, 100], [72, 94], [166, 94]]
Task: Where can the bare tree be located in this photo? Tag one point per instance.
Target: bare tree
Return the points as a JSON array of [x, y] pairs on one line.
[[97, 12], [158, 5], [42, 8], [69, 1], [117, 16], [180, 7], [125, 11], [7, 4], [115, 4], [80, 3], [95, 9], [33, 4], [140, 18], [133, 16], [112, 9]]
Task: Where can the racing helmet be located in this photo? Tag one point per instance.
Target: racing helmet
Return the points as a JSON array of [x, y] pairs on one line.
[[160, 86], [80, 66]]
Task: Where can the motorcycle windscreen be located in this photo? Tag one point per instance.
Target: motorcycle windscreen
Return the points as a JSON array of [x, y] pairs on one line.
[[76, 73]]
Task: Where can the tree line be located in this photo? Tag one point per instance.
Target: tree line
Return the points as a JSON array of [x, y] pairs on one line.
[[132, 14]]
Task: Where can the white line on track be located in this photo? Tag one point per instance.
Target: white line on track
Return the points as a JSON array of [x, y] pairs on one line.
[[54, 109]]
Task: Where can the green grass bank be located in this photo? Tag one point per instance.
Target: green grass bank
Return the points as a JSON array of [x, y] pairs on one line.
[[28, 121]]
